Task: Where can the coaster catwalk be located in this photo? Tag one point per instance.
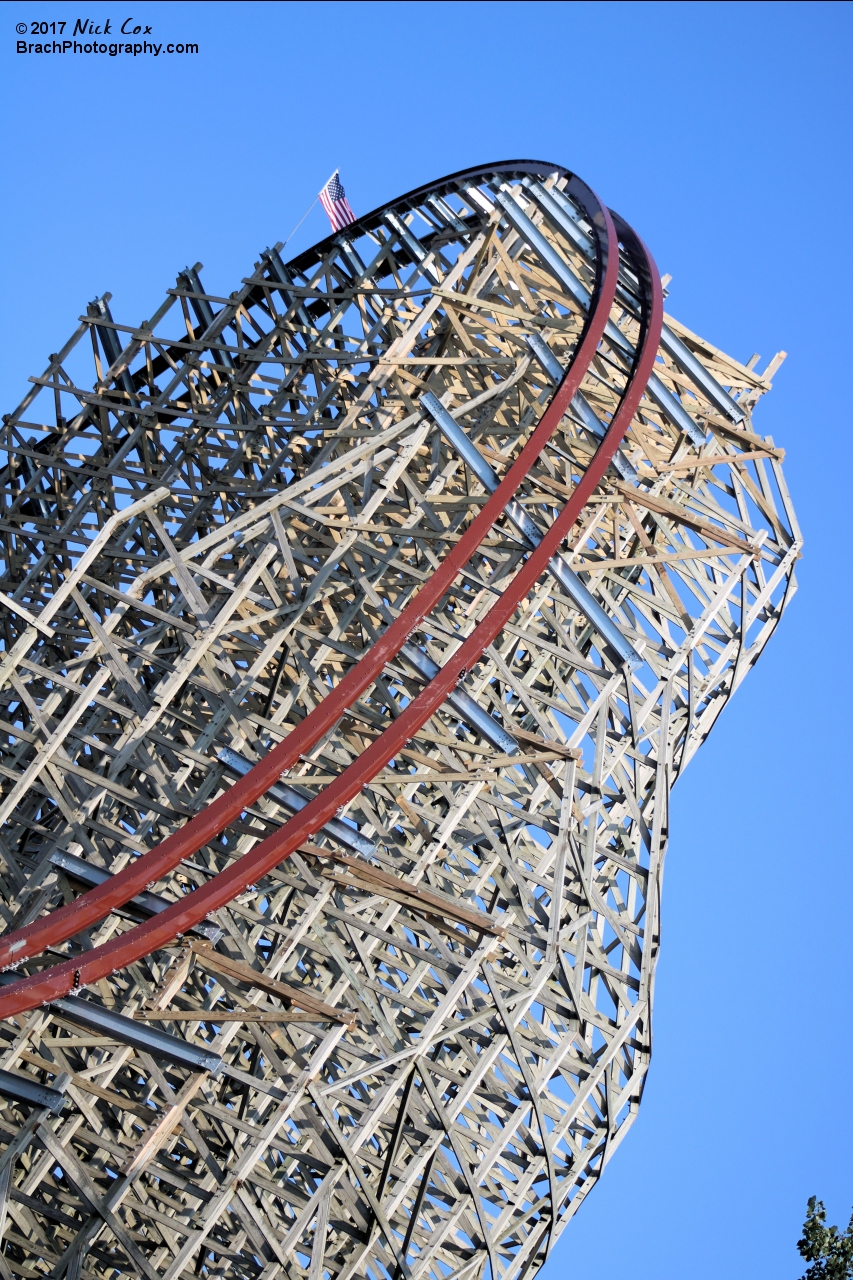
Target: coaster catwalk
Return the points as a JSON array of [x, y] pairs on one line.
[[356, 627]]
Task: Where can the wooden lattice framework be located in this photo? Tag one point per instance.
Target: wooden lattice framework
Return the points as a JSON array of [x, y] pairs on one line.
[[426, 1045]]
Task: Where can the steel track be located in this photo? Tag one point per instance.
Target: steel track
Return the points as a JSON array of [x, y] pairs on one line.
[[89, 908], [58, 926]]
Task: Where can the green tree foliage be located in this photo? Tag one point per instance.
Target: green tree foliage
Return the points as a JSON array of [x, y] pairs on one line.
[[830, 1253]]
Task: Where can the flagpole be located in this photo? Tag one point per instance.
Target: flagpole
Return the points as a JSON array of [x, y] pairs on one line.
[[310, 207], [301, 220]]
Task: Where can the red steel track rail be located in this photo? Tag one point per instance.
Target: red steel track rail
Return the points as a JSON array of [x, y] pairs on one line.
[[92, 906], [224, 887]]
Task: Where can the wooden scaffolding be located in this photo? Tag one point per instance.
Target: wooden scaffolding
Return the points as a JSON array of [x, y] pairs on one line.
[[410, 1048]]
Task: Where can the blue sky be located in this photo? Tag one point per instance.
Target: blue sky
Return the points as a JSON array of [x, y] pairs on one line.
[[722, 133]]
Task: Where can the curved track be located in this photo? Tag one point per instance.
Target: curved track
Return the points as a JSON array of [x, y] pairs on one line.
[[448, 545], [151, 867], [62, 979]]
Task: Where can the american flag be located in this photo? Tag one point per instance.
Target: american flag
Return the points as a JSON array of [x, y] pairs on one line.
[[334, 200]]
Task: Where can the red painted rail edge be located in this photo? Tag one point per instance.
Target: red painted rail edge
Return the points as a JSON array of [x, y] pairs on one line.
[[224, 887], [89, 908]]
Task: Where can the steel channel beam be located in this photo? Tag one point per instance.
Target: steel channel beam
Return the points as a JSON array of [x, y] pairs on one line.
[[580, 405], [461, 702], [153, 1040], [26, 1089], [160, 1044], [145, 904], [576, 590], [556, 209], [111, 346], [661, 395], [294, 801]]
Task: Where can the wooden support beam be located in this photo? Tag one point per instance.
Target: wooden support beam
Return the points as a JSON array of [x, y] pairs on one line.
[[200, 540]]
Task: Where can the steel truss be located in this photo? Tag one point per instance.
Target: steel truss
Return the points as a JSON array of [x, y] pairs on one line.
[[356, 627]]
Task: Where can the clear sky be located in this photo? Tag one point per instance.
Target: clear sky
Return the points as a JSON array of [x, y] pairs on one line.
[[722, 133]]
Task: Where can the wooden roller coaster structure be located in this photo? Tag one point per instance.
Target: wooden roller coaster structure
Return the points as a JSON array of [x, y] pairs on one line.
[[355, 628]]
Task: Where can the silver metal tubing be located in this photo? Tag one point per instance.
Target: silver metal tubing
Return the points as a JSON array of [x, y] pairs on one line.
[[465, 706], [668, 404], [293, 801], [355, 262], [456, 436], [146, 904], [559, 567], [560, 268], [671, 409], [593, 425], [576, 590], [478, 197], [580, 404], [546, 357], [557, 212]]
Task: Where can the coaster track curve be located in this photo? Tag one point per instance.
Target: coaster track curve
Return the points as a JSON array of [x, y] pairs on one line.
[[451, 546]]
